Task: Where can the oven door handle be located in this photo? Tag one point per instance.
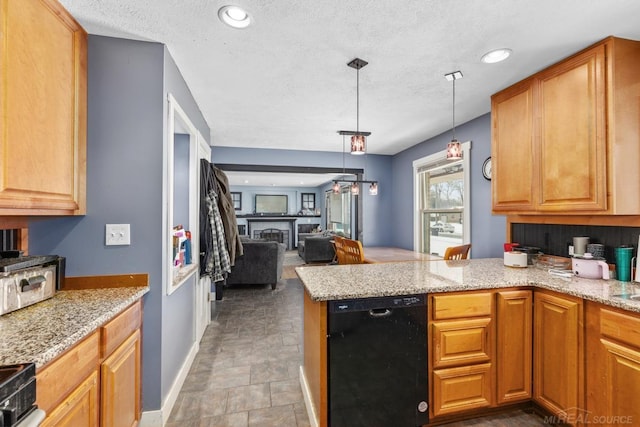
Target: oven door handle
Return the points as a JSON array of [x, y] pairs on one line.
[[32, 283]]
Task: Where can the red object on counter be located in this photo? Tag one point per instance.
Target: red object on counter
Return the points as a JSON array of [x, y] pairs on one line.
[[508, 247]]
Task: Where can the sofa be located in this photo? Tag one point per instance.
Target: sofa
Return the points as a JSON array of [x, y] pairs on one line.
[[261, 263], [316, 247]]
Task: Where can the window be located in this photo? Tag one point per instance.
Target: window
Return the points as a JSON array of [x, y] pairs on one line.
[[441, 202], [309, 201], [236, 198], [338, 211]]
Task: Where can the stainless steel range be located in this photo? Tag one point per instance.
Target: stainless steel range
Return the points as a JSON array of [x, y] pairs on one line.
[[26, 280]]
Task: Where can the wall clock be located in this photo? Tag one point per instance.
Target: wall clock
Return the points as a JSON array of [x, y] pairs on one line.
[[486, 169]]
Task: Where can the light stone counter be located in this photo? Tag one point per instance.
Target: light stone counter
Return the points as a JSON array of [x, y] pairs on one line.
[[41, 332], [405, 278]]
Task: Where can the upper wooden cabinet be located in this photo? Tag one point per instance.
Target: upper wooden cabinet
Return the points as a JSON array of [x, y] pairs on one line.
[[567, 139], [43, 103]]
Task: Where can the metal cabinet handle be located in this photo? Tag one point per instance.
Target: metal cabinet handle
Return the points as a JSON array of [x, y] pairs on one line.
[[32, 283]]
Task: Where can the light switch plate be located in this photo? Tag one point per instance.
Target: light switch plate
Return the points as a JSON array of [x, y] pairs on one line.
[[117, 234]]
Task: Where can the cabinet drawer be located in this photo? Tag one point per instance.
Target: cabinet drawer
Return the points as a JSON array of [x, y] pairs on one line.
[[621, 327], [117, 330], [461, 389], [62, 376], [462, 305], [461, 342]]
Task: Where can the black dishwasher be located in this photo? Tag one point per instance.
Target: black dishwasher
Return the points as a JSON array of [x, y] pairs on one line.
[[378, 362]]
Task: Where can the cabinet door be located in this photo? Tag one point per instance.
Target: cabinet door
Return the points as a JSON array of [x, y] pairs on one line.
[[573, 134], [613, 364], [514, 340], [514, 163], [43, 70], [558, 354], [120, 385], [80, 409]]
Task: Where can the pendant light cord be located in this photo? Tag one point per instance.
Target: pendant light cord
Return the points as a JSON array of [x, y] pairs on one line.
[[343, 170], [453, 118], [357, 100]]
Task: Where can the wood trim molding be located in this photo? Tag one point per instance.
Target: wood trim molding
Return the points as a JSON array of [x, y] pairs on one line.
[[108, 281]]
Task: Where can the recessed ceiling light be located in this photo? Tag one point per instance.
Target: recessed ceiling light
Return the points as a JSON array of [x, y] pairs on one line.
[[496, 55], [234, 16]]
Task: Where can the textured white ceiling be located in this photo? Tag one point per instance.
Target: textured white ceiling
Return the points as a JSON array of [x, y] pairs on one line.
[[284, 83]]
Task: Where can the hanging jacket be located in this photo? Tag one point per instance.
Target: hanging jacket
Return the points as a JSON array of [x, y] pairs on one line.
[[228, 214], [217, 263]]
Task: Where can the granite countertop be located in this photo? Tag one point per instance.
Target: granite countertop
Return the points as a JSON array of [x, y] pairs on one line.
[[42, 331], [415, 277]]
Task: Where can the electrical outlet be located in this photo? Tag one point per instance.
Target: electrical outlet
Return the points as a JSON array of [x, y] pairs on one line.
[[117, 234]]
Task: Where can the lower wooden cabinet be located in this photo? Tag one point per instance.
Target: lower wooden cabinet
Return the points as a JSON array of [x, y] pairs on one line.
[[558, 361], [461, 389], [120, 387], [461, 337], [513, 346], [80, 408], [613, 366], [96, 382]]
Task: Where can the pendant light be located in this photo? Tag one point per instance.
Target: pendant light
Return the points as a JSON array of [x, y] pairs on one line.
[[355, 188], [358, 141], [373, 189], [354, 184], [454, 151]]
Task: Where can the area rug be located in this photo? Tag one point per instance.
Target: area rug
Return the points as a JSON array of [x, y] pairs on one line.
[[291, 261]]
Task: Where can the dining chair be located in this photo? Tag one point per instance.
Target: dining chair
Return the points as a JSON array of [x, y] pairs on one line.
[[338, 245], [352, 252], [457, 252]]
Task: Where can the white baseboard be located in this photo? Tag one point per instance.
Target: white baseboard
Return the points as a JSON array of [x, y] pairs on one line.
[[159, 418], [311, 413], [151, 419]]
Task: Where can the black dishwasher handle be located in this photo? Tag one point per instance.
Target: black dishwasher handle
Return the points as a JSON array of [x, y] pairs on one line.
[[378, 313]]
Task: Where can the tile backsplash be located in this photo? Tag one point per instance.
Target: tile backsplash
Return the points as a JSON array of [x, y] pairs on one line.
[[555, 239], [8, 240]]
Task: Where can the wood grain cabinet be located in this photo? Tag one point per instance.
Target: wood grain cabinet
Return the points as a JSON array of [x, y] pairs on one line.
[[566, 140], [43, 93], [558, 358], [461, 333], [96, 382], [67, 388], [613, 365], [120, 370], [514, 331]]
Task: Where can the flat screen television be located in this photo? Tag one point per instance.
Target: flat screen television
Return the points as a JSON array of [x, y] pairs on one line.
[[276, 204]]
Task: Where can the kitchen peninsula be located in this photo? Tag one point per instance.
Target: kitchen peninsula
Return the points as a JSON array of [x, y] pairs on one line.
[[497, 337]]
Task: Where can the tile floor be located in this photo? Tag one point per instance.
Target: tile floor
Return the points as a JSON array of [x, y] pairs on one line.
[[246, 372]]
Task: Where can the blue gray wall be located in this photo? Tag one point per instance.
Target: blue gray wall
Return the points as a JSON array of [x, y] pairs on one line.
[[127, 85], [377, 210], [488, 232]]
